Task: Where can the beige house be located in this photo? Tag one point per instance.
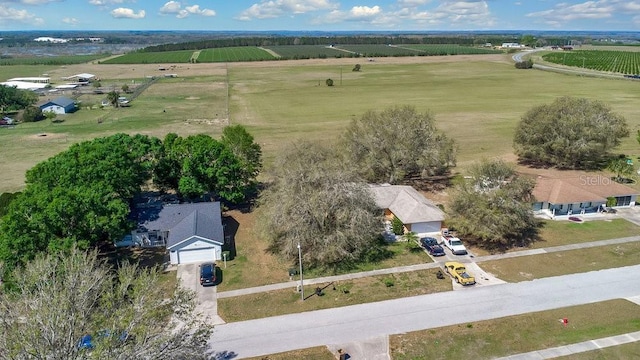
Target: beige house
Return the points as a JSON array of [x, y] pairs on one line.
[[417, 213], [579, 194]]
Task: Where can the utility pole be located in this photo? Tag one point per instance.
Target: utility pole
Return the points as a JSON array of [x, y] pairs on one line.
[[301, 276]]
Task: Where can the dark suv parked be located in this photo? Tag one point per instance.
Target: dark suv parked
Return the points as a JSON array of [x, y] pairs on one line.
[[207, 274]]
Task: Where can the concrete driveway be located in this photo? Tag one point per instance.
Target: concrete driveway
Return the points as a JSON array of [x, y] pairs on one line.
[[206, 296]]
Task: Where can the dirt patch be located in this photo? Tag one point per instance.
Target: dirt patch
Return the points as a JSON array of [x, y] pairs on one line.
[[192, 98]]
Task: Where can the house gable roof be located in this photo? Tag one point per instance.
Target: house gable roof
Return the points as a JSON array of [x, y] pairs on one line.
[[60, 101], [406, 203], [184, 221], [199, 223], [580, 188]]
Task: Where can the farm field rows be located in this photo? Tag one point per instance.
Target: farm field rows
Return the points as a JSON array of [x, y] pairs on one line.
[[306, 51], [238, 53], [379, 50], [444, 49], [623, 62], [182, 56]]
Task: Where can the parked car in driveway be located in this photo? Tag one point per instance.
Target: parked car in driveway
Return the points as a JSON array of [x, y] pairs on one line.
[[207, 274], [459, 273], [431, 245]]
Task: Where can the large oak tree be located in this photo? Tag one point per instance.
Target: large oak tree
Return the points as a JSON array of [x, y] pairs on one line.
[[315, 202], [396, 144], [571, 133], [493, 208]]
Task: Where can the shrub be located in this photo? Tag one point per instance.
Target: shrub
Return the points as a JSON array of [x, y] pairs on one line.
[[397, 226], [527, 64], [329, 82]]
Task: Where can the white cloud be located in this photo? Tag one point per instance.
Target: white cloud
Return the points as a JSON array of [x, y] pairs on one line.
[[70, 21], [126, 13], [413, 3], [563, 13], [105, 2], [276, 8], [8, 14], [175, 7], [359, 12], [171, 7]]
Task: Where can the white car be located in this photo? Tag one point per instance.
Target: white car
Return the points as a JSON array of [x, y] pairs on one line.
[[454, 244]]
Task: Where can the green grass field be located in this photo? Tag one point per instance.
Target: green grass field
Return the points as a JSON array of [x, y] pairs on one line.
[[52, 60], [306, 51], [477, 100], [239, 53], [181, 56], [518, 334]]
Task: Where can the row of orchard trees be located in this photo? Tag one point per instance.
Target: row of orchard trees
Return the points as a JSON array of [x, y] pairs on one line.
[[82, 196], [318, 196]]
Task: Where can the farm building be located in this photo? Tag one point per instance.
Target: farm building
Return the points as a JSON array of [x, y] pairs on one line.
[[512, 45], [62, 105], [417, 213], [579, 194], [191, 233], [82, 78]]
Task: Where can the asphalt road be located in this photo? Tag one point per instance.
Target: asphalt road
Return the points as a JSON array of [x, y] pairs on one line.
[[360, 322]]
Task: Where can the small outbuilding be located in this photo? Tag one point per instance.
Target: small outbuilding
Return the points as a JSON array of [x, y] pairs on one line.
[[60, 106]]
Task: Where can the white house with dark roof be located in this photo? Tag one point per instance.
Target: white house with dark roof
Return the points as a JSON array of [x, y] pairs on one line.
[[192, 233], [579, 194], [418, 214], [60, 106]]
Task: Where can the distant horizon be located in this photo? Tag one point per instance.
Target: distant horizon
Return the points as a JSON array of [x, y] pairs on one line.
[[321, 15]]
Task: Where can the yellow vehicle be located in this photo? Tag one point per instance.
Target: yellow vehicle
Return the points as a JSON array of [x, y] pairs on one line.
[[459, 273]]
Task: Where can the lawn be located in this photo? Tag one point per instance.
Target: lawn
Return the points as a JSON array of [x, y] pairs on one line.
[[316, 353], [564, 262], [518, 334], [556, 233], [254, 265], [342, 293], [621, 352]]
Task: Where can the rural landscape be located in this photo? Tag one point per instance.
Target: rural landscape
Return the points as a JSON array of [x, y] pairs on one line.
[[335, 175]]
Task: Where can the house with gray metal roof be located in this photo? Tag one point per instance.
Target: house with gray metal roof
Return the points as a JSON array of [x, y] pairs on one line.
[[418, 214], [62, 105], [192, 233]]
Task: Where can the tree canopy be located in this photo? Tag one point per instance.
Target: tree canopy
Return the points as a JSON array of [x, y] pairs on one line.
[[199, 164], [396, 144], [571, 133], [55, 300], [12, 98], [493, 208], [316, 202], [237, 139]]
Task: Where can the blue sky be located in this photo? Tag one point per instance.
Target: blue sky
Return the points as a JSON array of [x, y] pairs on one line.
[[329, 15]]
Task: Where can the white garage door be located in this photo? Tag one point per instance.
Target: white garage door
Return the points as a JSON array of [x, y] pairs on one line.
[[426, 227], [196, 256]]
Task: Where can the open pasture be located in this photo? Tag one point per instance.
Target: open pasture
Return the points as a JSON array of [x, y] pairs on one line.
[[181, 56], [476, 99], [623, 62], [238, 53]]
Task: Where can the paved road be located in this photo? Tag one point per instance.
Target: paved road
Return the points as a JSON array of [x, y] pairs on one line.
[[365, 321]]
